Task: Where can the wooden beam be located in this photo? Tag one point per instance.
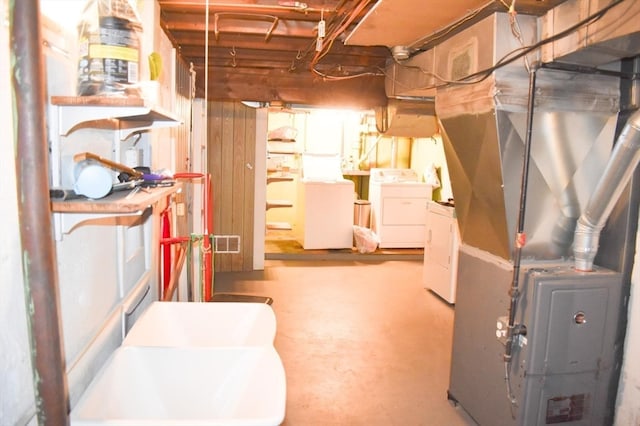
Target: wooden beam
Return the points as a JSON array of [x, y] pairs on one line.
[[249, 26], [363, 92]]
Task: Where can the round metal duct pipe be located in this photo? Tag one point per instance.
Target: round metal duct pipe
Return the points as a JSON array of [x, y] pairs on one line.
[[624, 158]]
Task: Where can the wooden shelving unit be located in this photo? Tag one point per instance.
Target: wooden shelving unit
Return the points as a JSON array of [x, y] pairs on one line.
[[118, 202], [123, 116]]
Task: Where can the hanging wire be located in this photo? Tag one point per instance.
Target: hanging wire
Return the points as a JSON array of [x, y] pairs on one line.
[[510, 57], [206, 60], [515, 30]]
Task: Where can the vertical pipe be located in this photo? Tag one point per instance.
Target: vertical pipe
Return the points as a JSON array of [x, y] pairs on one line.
[[38, 251], [207, 243], [394, 152], [514, 291]]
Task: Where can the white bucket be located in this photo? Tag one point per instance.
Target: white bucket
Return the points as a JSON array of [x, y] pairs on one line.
[[92, 180]]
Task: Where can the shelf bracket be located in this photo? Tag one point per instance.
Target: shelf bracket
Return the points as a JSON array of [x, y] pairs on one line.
[[64, 223], [130, 127], [77, 115]]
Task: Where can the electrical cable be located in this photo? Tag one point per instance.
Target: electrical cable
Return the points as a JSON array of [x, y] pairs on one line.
[[452, 27], [515, 54], [523, 51]]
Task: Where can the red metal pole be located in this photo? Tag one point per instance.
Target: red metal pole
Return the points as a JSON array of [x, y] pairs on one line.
[[207, 248], [166, 248]]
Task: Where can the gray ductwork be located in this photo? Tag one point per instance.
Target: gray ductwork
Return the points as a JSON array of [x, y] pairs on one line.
[[614, 36], [624, 160], [407, 118], [484, 129], [409, 86], [484, 125]]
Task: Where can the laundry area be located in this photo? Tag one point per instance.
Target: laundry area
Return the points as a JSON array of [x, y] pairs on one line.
[[362, 212], [367, 176]]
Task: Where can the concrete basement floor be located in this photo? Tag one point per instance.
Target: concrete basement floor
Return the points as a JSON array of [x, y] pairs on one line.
[[362, 343]]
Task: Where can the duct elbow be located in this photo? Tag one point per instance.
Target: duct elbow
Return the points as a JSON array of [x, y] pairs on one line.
[[634, 121], [585, 245], [624, 159]]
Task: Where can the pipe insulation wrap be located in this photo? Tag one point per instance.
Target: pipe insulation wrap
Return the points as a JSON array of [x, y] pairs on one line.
[[617, 173]]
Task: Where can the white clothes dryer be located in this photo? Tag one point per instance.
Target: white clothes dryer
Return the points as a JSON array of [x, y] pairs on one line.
[[398, 200]]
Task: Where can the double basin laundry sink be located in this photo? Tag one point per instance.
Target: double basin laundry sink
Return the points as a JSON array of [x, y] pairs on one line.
[[191, 364]]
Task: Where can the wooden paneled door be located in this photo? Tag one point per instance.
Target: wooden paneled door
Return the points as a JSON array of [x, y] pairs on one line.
[[231, 155]]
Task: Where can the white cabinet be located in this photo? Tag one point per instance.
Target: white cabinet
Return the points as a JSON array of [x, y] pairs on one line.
[[442, 241]]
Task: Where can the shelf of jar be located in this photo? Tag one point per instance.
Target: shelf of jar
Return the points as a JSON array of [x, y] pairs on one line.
[[68, 214], [124, 202], [350, 172]]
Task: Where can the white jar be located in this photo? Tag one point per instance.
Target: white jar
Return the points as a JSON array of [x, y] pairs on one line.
[[92, 179]]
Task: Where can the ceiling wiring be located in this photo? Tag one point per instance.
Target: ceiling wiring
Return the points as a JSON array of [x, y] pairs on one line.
[[431, 39], [346, 77]]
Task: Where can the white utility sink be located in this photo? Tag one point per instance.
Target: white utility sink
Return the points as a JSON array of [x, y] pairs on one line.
[[160, 386], [204, 324]]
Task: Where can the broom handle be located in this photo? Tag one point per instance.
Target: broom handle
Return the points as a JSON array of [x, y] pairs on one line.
[[111, 164]]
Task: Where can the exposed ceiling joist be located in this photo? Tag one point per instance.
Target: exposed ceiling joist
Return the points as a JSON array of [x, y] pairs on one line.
[[268, 50]]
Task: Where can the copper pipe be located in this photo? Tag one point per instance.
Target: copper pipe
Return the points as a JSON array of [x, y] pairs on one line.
[[38, 251]]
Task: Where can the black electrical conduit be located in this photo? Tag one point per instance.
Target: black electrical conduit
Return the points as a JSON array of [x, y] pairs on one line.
[[38, 251], [513, 330]]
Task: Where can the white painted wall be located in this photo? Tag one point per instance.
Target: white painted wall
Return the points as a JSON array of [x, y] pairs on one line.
[[430, 151], [628, 403], [97, 281]]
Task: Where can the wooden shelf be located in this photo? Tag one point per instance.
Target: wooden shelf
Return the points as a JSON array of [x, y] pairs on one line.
[[282, 152], [279, 226], [274, 179], [130, 113], [272, 204], [356, 172], [112, 101], [118, 202], [282, 140]]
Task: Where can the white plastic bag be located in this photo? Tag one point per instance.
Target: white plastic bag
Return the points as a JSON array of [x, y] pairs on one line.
[[366, 240], [431, 176], [284, 133]]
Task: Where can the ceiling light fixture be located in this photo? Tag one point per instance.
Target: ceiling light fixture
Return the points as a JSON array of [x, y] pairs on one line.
[[400, 53]]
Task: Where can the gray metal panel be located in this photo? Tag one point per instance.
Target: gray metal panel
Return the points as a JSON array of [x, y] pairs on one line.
[[564, 400], [616, 35], [556, 363], [477, 371], [557, 343], [572, 346]]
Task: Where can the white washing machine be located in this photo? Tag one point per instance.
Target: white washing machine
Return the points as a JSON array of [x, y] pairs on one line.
[[324, 218], [398, 199]]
